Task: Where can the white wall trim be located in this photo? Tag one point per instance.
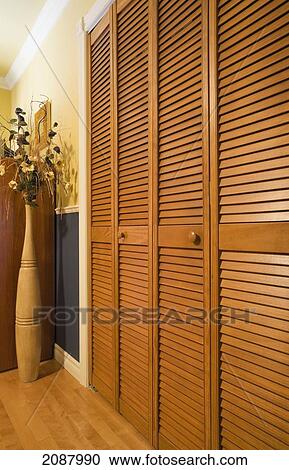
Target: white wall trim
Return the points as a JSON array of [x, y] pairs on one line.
[[3, 83], [47, 18], [83, 206], [66, 210], [95, 14], [67, 361]]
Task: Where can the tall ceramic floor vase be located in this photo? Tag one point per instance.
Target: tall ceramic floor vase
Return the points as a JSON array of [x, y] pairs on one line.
[[28, 328]]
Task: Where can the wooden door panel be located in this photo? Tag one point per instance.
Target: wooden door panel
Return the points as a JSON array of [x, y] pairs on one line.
[[102, 331], [149, 221], [132, 56], [273, 237], [253, 230], [134, 337], [102, 280], [181, 346], [180, 135], [254, 347], [181, 214], [182, 236], [133, 212]]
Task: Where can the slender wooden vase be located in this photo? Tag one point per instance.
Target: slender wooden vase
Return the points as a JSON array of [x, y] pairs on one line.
[[28, 328]]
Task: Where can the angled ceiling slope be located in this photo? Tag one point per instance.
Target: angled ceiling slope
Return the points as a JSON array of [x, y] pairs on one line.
[[47, 18]]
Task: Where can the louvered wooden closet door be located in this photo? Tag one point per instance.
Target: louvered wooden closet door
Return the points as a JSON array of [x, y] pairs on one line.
[[182, 221], [253, 89], [133, 213], [102, 272]]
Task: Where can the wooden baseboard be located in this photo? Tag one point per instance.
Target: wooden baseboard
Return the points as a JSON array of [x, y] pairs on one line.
[[68, 362]]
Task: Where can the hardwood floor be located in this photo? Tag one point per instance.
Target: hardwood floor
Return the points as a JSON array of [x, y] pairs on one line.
[[56, 412]]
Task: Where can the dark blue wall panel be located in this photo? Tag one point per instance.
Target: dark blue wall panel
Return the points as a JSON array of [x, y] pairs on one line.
[[67, 283]]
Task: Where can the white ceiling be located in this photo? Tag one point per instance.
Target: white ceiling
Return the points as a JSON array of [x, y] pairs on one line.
[[15, 15]]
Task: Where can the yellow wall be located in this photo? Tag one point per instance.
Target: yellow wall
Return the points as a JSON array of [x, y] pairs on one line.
[[5, 104], [54, 73]]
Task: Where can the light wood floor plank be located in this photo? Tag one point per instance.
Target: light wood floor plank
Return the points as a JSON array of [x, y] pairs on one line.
[[56, 412]]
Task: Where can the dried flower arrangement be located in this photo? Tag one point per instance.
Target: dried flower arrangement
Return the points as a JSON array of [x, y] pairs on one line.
[[33, 168]]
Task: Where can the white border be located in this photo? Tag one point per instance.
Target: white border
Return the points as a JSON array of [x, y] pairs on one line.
[[66, 210], [86, 24], [95, 14], [83, 210], [47, 18], [67, 361]]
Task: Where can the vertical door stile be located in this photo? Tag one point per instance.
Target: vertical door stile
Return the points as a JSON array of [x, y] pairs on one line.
[[206, 221], [89, 241], [114, 200], [214, 223], [153, 217]]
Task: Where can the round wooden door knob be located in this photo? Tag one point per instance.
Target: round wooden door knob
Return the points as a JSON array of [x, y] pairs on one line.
[[121, 236], [195, 238]]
